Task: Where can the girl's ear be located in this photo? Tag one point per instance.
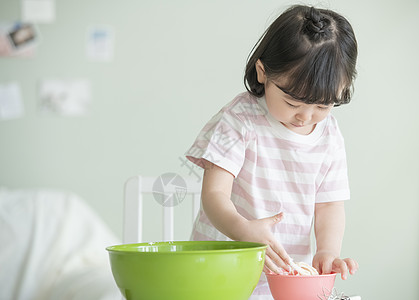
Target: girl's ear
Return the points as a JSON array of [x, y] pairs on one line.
[[260, 70]]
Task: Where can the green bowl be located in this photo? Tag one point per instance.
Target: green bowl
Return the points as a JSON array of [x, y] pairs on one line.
[[213, 270]]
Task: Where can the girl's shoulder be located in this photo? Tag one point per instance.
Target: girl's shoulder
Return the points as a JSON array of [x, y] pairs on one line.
[[331, 133], [244, 105], [332, 125]]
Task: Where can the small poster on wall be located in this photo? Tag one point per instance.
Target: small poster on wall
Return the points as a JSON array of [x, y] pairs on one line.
[[65, 97], [100, 43], [18, 39]]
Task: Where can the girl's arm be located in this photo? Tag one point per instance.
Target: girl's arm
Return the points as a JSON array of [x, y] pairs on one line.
[[216, 192], [329, 227]]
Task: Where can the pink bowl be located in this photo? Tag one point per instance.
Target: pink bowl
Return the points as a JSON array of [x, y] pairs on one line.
[[292, 287]]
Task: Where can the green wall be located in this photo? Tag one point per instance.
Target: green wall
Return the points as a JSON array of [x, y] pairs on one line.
[[176, 63]]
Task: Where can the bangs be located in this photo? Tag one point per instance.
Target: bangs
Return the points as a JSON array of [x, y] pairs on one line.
[[319, 78]]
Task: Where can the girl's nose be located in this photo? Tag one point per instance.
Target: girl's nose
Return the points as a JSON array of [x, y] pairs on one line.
[[303, 116]]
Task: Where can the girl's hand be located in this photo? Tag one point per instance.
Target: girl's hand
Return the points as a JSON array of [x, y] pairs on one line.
[[220, 210], [260, 231], [326, 263]]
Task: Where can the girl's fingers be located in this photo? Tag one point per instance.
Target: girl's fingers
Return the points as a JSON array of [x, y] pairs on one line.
[[270, 265], [276, 257], [352, 265], [279, 257], [280, 251], [266, 269], [340, 266], [344, 266], [316, 265]]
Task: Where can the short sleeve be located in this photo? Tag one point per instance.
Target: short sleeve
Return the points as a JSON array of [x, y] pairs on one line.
[[222, 142], [334, 185]]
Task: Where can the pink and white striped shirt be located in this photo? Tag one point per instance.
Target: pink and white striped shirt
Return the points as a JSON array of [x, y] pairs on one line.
[[275, 170]]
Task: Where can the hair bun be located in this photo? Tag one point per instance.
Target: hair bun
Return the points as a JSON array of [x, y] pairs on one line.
[[316, 24]]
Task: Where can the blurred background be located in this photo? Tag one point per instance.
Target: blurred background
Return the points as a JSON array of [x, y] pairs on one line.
[[104, 90]]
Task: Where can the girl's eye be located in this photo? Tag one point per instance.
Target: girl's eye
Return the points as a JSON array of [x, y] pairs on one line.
[[323, 107], [292, 105]]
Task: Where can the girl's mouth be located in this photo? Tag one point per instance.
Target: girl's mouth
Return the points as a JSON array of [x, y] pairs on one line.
[[297, 125]]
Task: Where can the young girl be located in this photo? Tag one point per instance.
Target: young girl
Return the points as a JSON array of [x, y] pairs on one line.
[[274, 157]]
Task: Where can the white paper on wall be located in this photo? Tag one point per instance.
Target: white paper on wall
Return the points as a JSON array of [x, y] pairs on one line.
[[65, 97], [38, 11], [11, 105], [100, 43]]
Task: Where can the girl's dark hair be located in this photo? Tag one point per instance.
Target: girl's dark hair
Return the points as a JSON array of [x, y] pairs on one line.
[[313, 50]]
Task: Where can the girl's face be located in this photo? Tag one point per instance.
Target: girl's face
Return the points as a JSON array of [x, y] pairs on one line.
[[293, 114]]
